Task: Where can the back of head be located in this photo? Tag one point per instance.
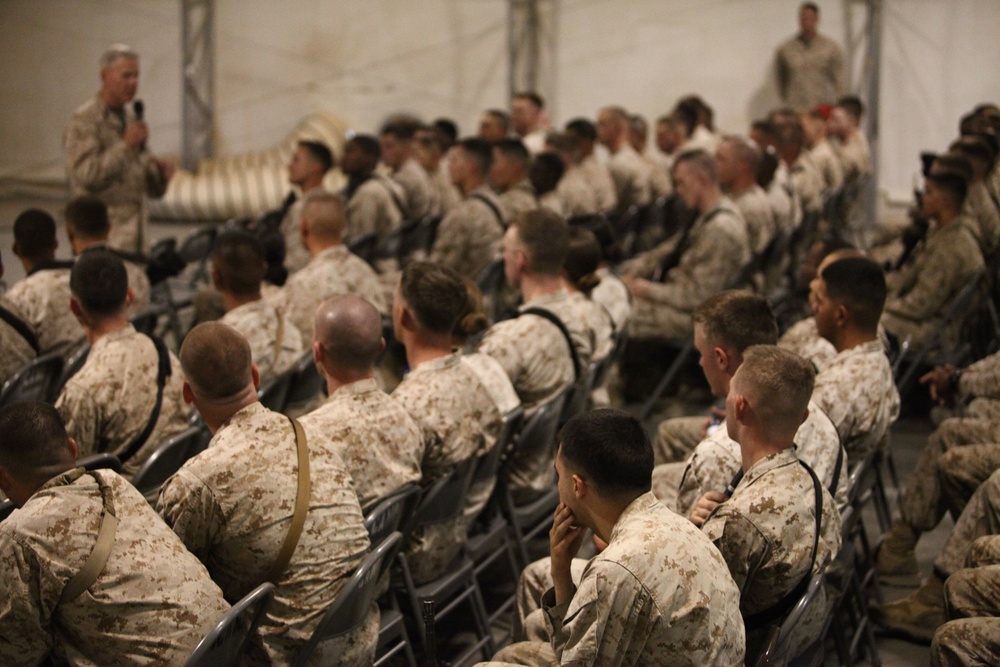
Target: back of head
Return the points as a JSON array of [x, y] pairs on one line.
[[350, 332], [610, 450], [501, 117], [239, 262], [685, 117], [737, 320], [546, 170], [513, 149], [859, 284], [544, 235], [583, 256], [323, 212], [479, 151], [701, 162], [367, 144], [439, 299], [745, 151], [583, 129], [35, 234], [88, 217], [791, 136], [977, 149], [953, 163], [703, 113], [565, 143], [604, 231], [778, 384], [447, 131], [99, 283], [319, 152], [217, 362], [403, 127], [954, 186], [33, 442]]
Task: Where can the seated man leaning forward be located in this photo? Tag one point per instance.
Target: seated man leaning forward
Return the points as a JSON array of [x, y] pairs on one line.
[[150, 603], [772, 554], [659, 594], [234, 506]]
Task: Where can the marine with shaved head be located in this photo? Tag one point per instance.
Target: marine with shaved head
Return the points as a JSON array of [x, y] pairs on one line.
[[374, 435], [232, 505]]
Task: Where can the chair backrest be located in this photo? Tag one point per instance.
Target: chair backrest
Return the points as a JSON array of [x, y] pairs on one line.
[[364, 246], [223, 645], [147, 320], [33, 382], [539, 431], [487, 464], [579, 393], [491, 281], [444, 499], [6, 509], [392, 513], [102, 461], [351, 606], [307, 383], [778, 653], [167, 459], [74, 362], [196, 249], [274, 394]]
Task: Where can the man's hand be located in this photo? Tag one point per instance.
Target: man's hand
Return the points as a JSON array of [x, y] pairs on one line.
[[565, 540], [939, 382], [704, 507], [640, 287], [136, 133]]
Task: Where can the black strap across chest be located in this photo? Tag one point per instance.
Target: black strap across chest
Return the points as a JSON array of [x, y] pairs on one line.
[[163, 372], [21, 327], [552, 317]]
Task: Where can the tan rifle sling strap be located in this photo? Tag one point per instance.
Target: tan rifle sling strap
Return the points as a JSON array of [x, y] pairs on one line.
[[279, 337], [301, 507], [98, 558]]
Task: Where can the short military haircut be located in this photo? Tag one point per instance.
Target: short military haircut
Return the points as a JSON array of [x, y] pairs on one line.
[[35, 233], [546, 170], [583, 128], [319, 152], [952, 163], [479, 151], [737, 320], [811, 6], [974, 148], [610, 450], [116, 51], [701, 161], [954, 186], [564, 142], [501, 116], [778, 384], [33, 441], [99, 282], [791, 132], [326, 214], [637, 125], [217, 362], [765, 127], [685, 116], [859, 284], [402, 127], [745, 151], [703, 112], [368, 144], [513, 149], [583, 256], [537, 100], [88, 216], [239, 261], [447, 130], [436, 295], [350, 331], [853, 105], [544, 235]]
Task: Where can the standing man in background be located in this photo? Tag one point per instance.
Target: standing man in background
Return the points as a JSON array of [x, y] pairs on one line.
[[106, 153], [810, 66]]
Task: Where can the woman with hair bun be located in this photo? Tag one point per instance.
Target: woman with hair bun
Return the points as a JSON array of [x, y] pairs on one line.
[[580, 277]]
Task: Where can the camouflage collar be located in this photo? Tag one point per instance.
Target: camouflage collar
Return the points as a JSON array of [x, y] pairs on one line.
[[767, 464], [641, 504], [355, 388]]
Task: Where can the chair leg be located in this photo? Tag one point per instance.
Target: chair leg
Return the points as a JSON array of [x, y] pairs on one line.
[[665, 381]]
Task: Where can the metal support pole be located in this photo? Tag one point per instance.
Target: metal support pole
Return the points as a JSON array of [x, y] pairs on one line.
[[531, 47], [198, 75], [871, 87]]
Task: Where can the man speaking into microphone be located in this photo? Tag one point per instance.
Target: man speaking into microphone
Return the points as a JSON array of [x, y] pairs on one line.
[[106, 153]]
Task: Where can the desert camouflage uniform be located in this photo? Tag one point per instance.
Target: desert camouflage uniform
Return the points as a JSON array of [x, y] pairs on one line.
[[718, 250], [108, 403], [962, 470], [333, 271], [973, 541], [551, 201], [983, 218], [15, 352], [717, 459], [808, 182], [755, 207], [445, 193], [980, 384], [373, 434], [810, 72], [100, 163], [803, 339], [632, 177], [600, 183], [43, 298], [416, 185], [659, 594], [373, 208], [828, 164], [855, 156], [262, 324], [578, 198], [296, 253], [232, 506], [676, 438], [468, 237], [770, 552], [151, 604], [858, 393], [614, 295], [972, 596], [966, 641], [517, 199], [459, 417], [921, 291], [597, 319]]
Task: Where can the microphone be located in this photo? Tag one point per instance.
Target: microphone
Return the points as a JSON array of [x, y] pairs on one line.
[[139, 108]]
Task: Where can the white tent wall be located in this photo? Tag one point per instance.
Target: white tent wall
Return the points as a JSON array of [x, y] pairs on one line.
[[277, 62]]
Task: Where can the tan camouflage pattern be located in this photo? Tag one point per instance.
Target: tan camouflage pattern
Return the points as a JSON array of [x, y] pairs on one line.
[[766, 532], [232, 505], [296, 253], [677, 437], [108, 403], [100, 163], [599, 180], [975, 590], [614, 295], [258, 322], [372, 209], [373, 434], [963, 470], [551, 201], [966, 641], [857, 392], [15, 352], [632, 177], [981, 517], [576, 194], [810, 73], [331, 272], [658, 595], [855, 156], [920, 292], [517, 199], [43, 299], [983, 218], [982, 379], [716, 460], [808, 182], [458, 418], [535, 580], [151, 604], [138, 280], [718, 250], [418, 192], [758, 214], [659, 177], [803, 339], [597, 320], [828, 164], [445, 194], [468, 237]]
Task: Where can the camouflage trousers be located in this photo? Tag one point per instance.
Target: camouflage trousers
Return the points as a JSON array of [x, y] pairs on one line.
[[536, 579], [524, 654], [667, 483], [676, 438], [972, 598], [922, 504], [980, 518], [659, 321]]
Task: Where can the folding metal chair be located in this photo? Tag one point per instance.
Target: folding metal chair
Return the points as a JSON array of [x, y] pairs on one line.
[[166, 460], [223, 645], [34, 382]]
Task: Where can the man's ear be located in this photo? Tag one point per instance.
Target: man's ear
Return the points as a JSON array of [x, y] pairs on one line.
[[77, 310], [73, 449], [722, 358], [319, 354], [129, 297], [213, 273], [188, 394], [741, 406], [580, 487], [841, 315], [255, 374]]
